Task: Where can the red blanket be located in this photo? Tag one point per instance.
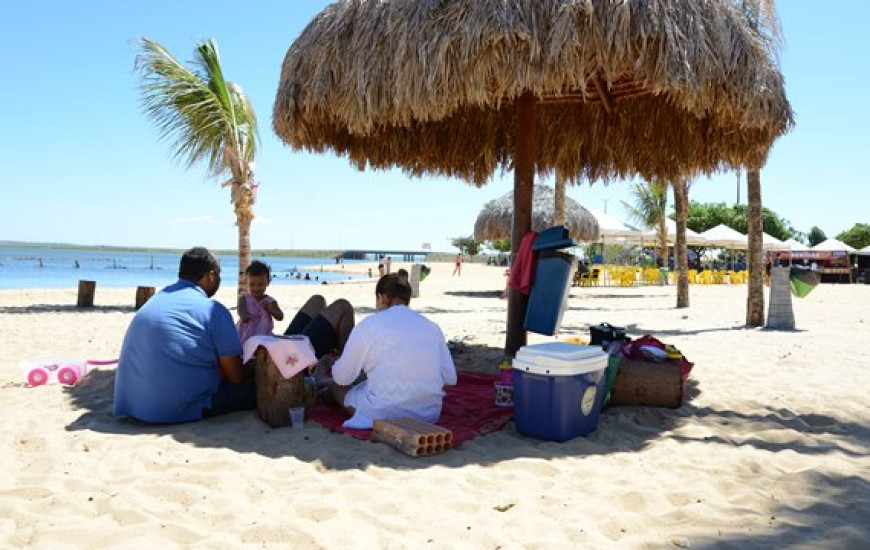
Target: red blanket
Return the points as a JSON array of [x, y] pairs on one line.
[[468, 410]]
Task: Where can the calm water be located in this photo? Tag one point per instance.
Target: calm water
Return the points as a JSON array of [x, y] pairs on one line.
[[42, 267]]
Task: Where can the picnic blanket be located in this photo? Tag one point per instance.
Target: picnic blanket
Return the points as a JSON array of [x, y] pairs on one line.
[[468, 410]]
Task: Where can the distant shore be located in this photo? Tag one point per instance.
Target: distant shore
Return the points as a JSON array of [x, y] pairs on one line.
[[255, 252]]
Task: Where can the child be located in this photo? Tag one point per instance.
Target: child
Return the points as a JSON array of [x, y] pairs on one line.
[[256, 308]]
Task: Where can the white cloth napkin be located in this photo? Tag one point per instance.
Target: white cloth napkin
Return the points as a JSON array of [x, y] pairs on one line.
[[291, 354]]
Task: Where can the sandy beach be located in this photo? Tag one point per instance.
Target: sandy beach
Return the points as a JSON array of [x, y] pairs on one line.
[[769, 451]]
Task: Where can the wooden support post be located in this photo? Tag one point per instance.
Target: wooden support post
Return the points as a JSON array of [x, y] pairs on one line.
[[524, 179], [143, 294], [86, 293], [275, 394]]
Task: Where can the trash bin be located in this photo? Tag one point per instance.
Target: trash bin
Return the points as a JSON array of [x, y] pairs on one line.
[[552, 284]]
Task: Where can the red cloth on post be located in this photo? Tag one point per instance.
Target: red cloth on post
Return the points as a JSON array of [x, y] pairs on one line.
[[523, 270]]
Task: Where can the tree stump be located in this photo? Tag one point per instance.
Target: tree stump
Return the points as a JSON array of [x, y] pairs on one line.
[[86, 293], [275, 394], [648, 383], [143, 294]]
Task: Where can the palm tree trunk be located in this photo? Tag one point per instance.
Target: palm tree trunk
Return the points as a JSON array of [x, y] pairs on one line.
[[243, 202], [560, 215], [681, 256], [663, 242], [755, 253]]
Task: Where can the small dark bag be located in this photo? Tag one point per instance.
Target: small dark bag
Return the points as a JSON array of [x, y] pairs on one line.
[[603, 334]]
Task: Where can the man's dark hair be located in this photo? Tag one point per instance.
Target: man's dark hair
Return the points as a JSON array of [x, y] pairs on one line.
[[258, 268], [393, 287], [196, 263]]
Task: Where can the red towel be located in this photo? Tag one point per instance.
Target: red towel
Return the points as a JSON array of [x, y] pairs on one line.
[[523, 270], [468, 410]]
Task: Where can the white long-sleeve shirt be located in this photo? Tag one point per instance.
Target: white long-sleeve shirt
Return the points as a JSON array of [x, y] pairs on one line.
[[407, 365]]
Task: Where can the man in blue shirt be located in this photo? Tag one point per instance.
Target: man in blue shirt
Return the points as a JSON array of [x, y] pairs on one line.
[[181, 356]]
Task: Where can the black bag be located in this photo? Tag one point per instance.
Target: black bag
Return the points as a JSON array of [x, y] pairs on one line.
[[603, 334]]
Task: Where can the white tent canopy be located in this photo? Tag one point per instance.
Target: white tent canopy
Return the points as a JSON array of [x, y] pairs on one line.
[[725, 237], [864, 251], [834, 245], [613, 229], [795, 245], [692, 238], [769, 242]]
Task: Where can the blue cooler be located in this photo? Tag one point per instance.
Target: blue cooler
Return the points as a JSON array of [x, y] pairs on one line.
[[558, 390]]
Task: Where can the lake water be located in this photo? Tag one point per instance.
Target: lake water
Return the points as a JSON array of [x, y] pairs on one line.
[[49, 267]]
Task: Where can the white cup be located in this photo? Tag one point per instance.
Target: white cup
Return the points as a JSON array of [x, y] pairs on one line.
[[297, 417]]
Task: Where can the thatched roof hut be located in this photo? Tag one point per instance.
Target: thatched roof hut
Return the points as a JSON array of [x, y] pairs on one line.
[[657, 89], [592, 89], [495, 220]]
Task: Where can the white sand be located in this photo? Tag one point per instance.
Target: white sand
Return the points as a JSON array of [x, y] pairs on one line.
[[771, 450]]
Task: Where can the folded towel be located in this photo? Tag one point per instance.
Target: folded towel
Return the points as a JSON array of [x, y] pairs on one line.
[[291, 354]]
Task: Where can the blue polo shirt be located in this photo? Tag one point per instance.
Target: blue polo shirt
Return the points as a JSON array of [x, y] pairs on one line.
[[168, 369]]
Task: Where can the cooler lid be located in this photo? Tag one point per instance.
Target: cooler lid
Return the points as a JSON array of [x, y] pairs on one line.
[[561, 351], [562, 368], [560, 358]]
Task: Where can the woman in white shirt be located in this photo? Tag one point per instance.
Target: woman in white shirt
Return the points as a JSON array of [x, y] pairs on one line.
[[404, 357]]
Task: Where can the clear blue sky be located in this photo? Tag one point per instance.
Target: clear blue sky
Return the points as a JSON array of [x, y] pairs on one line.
[[81, 164]]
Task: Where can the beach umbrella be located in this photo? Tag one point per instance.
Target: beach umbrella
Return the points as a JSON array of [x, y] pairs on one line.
[[834, 245], [595, 90], [495, 221]]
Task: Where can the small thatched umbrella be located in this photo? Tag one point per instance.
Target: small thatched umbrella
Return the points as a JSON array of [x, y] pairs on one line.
[[594, 90], [495, 221]]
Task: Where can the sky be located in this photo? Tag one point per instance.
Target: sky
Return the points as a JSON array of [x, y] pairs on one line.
[[81, 164]]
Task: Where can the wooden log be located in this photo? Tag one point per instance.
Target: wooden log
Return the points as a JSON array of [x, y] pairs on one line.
[[143, 294], [413, 437], [86, 293], [651, 384], [275, 394]]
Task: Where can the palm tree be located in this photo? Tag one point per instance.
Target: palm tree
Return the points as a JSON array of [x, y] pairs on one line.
[[681, 259], [650, 208], [762, 16], [207, 119]]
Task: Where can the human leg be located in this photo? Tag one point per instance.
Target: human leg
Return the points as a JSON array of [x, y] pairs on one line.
[[339, 314], [309, 310], [338, 394], [231, 398]]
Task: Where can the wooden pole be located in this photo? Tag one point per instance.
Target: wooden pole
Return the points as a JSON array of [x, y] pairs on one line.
[[86, 293], [524, 179], [143, 294]]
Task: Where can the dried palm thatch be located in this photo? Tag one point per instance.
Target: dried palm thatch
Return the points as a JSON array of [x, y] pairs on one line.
[[663, 89], [495, 220]]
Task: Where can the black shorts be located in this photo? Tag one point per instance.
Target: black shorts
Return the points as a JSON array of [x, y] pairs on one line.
[[320, 332]]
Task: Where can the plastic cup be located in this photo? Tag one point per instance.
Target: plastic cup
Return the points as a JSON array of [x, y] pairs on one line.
[[297, 417]]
